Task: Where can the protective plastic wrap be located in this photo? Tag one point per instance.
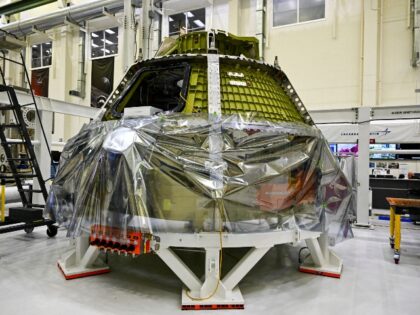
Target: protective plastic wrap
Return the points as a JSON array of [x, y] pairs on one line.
[[191, 173]]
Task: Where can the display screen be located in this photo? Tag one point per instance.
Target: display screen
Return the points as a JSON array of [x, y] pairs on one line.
[[347, 149], [383, 156], [409, 146]]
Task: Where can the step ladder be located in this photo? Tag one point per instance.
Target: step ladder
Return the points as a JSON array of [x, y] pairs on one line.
[[30, 214]]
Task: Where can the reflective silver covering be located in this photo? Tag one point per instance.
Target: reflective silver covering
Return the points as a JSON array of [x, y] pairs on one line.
[[158, 174]]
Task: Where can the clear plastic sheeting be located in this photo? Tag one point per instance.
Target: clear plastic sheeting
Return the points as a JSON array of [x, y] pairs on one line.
[[181, 173], [348, 165]]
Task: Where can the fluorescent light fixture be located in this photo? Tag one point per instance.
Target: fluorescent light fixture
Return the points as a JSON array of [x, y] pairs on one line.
[[171, 19], [108, 41], [199, 23], [105, 50], [47, 43], [34, 46], [95, 35], [109, 31], [189, 14], [94, 45]]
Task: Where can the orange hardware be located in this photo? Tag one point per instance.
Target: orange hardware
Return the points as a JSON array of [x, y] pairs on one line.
[[116, 240], [197, 307]]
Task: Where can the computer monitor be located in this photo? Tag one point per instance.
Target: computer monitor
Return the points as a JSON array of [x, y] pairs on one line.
[[383, 146]]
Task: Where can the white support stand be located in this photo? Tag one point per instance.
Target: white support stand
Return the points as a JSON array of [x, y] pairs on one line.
[[82, 261], [322, 260], [211, 292], [214, 293]]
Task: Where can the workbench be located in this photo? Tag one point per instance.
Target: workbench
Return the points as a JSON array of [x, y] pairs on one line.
[[398, 207]]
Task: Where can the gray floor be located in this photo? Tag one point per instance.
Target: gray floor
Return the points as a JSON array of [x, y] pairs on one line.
[[30, 282]]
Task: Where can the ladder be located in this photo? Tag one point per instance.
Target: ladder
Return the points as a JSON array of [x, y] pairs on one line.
[[30, 214]]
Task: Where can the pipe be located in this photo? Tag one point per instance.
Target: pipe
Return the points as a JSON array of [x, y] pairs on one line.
[[362, 49], [82, 9], [11, 194], [36, 142], [379, 54], [13, 205], [260, 25], [81, 80], [410, 4], [334, 23], [147, 22], [414, 23], [81, 75]]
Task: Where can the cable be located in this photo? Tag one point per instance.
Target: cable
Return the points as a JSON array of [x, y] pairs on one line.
[[135, 28], [148, 35], [187, 292], [300, 251], [183, 98]]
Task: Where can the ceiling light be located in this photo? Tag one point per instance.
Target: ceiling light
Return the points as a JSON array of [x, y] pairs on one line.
[[48, 43], [35, 46], [171, 19], [95, 35], [189, 14], [105, 50], [94, 45], [107, 41], [199, 23], [109, 31]]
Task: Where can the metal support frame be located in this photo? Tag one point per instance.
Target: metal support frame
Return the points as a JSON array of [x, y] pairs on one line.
[[56, 106], [213, 85], [334, 116], [108, 13], [147, 21], [83, 261], [396, 112], [351, 115], [69, 22], [362, 213], [41, 151], [42, 34], [322, 261], [129, 34], [260, 25]]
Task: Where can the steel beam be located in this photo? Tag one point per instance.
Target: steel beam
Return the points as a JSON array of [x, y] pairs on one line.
[[334, 116], [56, 106], [363, 167], [180, 269], [396, 112], [20, 6], [351, 115]]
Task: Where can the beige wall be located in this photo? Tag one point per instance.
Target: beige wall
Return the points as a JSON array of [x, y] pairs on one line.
[[322, 58], [399, 79]]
